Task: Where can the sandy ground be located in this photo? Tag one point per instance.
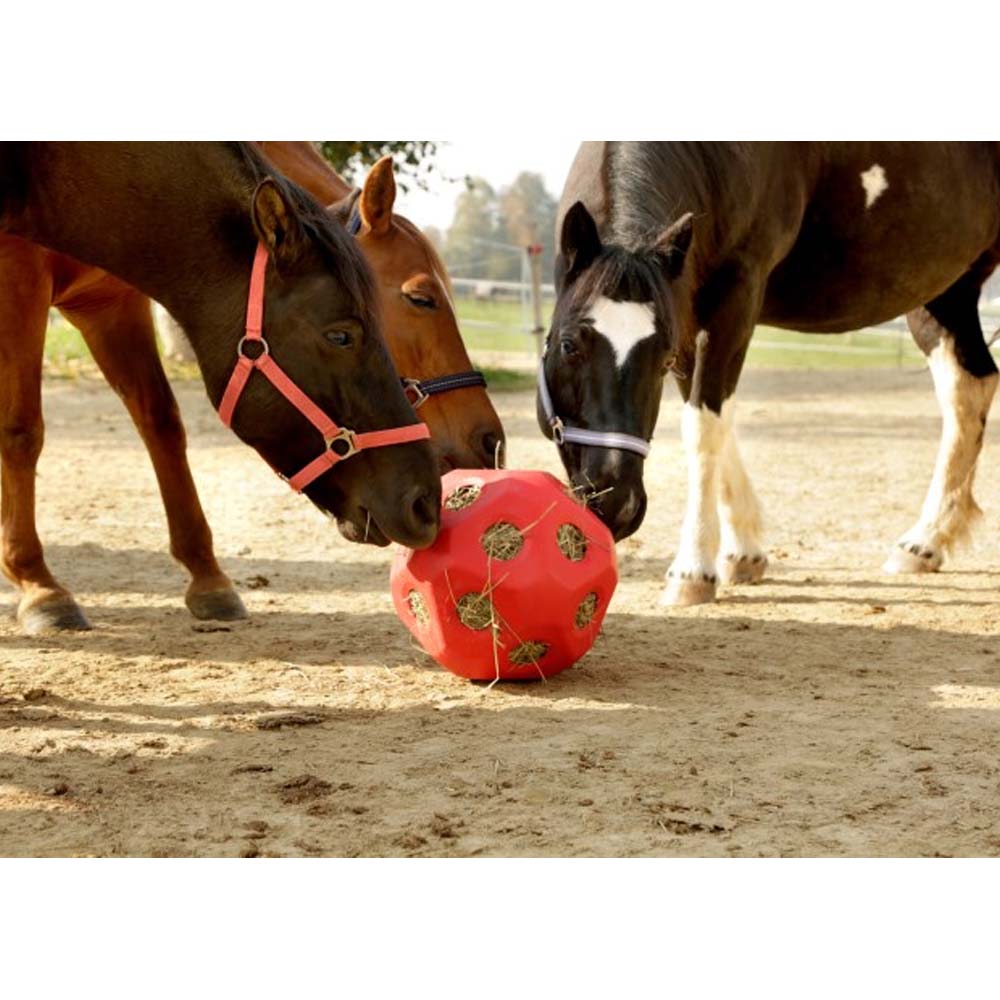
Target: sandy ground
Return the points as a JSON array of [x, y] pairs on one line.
[[828, 711]]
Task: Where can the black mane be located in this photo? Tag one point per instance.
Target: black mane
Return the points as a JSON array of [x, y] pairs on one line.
[[652, 184], [336, 246]]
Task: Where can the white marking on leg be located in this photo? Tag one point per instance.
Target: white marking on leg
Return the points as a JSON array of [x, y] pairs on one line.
[[703, 434], [949, 508], [622, 324], [874, 181], [739, 510]]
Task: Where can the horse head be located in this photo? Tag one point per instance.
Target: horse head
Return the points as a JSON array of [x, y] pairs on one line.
[[612, 340]]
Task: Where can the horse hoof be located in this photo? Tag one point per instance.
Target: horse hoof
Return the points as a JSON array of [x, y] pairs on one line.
[[743, 569], [906, 558], [53, 614], [217, 605], [682, 592]]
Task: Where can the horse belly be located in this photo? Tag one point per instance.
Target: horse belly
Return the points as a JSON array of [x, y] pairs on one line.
[[875, 243]]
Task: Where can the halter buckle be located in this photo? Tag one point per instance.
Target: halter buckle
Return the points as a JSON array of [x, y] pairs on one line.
[[557, 430], [346, 437], [418, 397], [241, 353]]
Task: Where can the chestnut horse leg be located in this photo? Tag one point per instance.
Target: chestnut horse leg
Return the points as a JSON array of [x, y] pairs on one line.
[[24, 307], [948, 331], [119, 332]]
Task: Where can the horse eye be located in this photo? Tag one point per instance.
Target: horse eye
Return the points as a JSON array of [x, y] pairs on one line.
[[568, 347], [420, 301], [339, 338]]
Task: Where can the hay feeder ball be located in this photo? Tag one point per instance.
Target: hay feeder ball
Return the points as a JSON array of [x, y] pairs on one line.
[[516, 585]]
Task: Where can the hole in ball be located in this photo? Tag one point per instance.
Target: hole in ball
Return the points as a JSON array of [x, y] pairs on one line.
[[418, 607], [502, 540], [475, 611], [572, 542], [528, 652], [463, 496], [586, 611]]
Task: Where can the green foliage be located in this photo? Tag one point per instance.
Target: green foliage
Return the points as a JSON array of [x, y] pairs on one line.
[[528, 215], [489, 228], [469, 247], [414, 159]]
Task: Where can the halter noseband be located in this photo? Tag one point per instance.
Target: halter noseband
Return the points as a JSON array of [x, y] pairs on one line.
[[418, 391], [341, 442], [578, 435]]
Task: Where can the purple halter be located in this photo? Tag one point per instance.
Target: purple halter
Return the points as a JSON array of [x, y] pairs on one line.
[[578, 435]]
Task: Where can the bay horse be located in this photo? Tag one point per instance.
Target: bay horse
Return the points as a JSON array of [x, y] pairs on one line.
[[180, 223], [671, 252]]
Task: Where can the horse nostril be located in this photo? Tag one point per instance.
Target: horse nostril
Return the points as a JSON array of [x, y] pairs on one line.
[[491, 448], [423, 510], [628, 516]]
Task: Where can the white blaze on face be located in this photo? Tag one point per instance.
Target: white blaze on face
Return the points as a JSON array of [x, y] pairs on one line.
[[622, 324], [874, 182]]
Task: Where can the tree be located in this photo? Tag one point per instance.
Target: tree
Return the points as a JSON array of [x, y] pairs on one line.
[[528, 215], [414, 158], [468, 247], [487, 229]]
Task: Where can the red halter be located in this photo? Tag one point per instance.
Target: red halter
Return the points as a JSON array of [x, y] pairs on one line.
[[349, 442]]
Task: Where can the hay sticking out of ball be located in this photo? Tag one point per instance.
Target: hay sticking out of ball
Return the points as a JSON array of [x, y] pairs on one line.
[[528, 652], [418, 607], [463, 497], [572, 542], [502, 540], [586, 611], [475, 611]]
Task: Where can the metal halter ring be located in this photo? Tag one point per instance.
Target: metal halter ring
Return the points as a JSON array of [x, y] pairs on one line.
[[557, 430], [255, 340], [348, 438], [419, 397]]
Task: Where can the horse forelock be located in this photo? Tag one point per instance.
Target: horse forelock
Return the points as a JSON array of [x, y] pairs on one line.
[[623, 276]]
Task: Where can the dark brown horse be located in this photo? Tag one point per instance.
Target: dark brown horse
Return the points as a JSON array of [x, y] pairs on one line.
[[668, 246], [180, 222]]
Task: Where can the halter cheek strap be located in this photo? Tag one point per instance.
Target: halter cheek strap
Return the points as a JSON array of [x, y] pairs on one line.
[[419, 390], [340, 442], [578, 435]]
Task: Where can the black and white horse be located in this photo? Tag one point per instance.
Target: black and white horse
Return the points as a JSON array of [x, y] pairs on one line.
[[670, 254]]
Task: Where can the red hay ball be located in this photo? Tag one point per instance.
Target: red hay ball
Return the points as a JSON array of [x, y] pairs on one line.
[[516, 585]]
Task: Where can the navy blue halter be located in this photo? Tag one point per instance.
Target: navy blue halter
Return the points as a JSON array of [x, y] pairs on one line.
[[418, 390]]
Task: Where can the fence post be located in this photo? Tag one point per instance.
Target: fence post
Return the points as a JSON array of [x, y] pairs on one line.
[[534, 252]]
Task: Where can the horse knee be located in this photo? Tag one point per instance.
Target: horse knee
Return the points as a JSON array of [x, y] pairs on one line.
[[21, 442], [159, 419], [165, 422]]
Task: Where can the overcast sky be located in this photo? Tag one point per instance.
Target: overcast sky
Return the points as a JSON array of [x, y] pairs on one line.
[[498, 160]]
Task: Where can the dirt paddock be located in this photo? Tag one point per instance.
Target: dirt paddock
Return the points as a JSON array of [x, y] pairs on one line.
[[828, 711]]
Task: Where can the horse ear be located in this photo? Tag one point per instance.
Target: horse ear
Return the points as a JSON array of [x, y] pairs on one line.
[[378, 196], [276, 224], [342, 209], [579, 242], [673, 245]]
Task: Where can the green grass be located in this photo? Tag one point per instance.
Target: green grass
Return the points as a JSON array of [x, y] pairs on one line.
[[507, 379], [64, 346], [504, 332], [66, 354]]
